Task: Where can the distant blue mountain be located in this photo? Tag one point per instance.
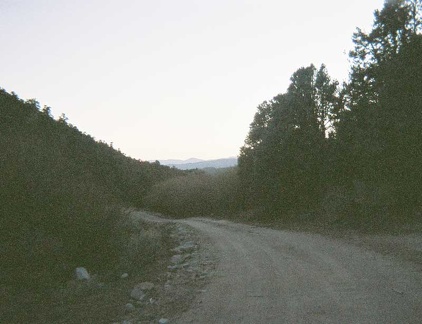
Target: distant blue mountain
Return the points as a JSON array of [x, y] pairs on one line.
[[173, 162], [200, 164]]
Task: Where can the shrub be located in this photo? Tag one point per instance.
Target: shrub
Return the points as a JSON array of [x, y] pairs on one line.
[[141, 243], [196, 194]]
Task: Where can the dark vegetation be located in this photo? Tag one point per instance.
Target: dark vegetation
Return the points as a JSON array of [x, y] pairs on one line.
[[328, 153], [61, 197], [321, 153], [198, 194], [351, 153]]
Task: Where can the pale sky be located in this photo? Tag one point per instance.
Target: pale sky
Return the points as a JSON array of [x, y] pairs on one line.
[[168, 79]]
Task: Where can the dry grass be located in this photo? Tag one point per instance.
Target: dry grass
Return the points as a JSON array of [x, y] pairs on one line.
[[144, 256]]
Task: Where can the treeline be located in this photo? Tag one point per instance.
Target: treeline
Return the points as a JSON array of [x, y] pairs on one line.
[[61, 195], [326, 152], [349, 152]]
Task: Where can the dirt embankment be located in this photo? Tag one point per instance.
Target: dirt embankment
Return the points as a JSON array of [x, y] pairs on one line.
[[178, 267]]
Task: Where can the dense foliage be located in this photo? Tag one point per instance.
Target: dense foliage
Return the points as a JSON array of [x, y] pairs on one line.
[[357, 146], [61, 194], [197, 194]]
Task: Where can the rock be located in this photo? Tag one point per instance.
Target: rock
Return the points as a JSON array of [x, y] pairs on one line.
[[176, 259], [129, 307], [82, 274], [163, 321], [187, 246], [194, 266], [124, 276], [137, 293], [145, 286]]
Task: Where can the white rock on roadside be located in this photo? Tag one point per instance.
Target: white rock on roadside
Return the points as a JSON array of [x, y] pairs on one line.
[[82, 274], [176, 259], [129, 307], [187, 246], [137, 293], [145, 286], [124, 275], [163, 321]]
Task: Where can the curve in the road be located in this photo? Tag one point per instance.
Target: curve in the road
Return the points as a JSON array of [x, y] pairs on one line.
[[271, 276]]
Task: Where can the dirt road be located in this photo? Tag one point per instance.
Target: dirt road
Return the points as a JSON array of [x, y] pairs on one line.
[[272, 276]]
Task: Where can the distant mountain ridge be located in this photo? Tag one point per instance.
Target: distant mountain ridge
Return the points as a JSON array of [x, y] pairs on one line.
[[172, 162], [194, 163]]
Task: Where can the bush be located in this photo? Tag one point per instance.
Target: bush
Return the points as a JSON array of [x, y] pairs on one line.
[[362, 205], [141, 243], [197, 194]]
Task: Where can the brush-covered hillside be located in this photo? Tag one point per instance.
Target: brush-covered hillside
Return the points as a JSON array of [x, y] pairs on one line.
[[61, 195]]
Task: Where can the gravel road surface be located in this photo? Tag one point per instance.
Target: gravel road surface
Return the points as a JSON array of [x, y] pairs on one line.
[[273, 276]]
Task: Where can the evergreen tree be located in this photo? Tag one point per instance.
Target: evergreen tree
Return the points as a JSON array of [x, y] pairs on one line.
[[282, 162]]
